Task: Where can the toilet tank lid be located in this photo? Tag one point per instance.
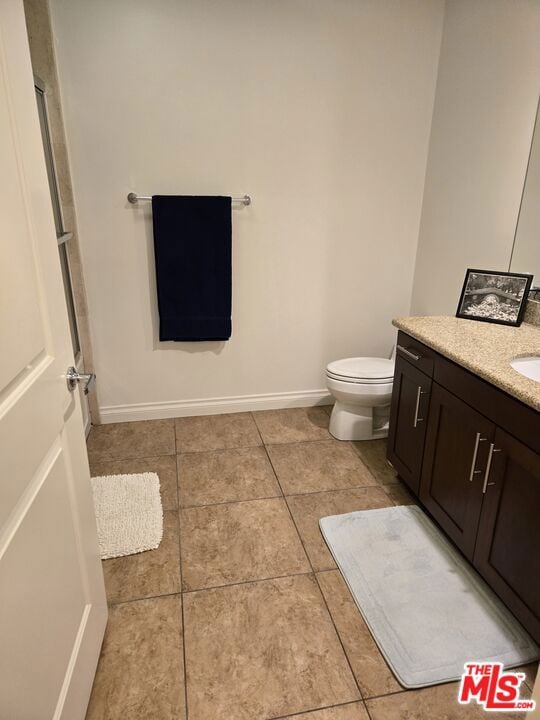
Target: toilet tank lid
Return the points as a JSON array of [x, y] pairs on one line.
[[371, 368]]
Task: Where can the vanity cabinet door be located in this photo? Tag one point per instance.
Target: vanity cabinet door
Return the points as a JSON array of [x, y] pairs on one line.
[[455, 459], [408, 416], [507, 551]]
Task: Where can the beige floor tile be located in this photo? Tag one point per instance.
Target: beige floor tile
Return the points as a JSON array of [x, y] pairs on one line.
[[399, 494], [263, 650], [307, 510], [373, 675], [238, 542], [373, 453], [216, 432], [531, 671], [352, 711], [117, 441], [140, 672], [154, 572], [164, 466], [432, 703], [225, 476], [293, 425], [315, 466]]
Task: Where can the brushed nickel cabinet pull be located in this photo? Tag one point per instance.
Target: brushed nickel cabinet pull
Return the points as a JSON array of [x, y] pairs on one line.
[[492, 449], [409, 353], [417, 419], [474, 472]]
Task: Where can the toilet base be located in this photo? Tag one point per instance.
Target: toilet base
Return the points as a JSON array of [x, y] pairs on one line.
[[356, 422]]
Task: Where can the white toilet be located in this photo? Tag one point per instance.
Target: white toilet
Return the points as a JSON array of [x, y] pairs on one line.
[[362, 387]]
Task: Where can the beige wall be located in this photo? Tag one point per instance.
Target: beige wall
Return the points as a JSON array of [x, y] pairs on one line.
[[487, 93], [319, 110], [526, 250]]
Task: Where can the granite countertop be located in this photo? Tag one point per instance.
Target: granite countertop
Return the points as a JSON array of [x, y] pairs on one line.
[[485, 349]]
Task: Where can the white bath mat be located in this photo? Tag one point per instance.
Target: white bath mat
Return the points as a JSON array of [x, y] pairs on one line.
[[129, 513], [427, 609]]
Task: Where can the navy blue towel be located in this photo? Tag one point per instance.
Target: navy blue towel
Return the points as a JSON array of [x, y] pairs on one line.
[[192, 245]]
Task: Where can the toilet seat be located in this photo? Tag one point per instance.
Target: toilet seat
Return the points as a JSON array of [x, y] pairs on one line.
[[363, 370]]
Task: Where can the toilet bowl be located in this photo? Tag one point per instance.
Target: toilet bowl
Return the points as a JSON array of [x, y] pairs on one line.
[[362, 387]]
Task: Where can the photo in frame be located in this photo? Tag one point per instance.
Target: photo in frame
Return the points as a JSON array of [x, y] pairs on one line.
[[497, 297]]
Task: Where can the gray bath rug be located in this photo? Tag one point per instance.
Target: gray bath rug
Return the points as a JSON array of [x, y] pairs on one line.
[[129, 513], [427, 609]]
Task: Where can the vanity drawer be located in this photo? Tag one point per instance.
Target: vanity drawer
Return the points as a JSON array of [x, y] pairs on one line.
[[507, 412], [418, 354]]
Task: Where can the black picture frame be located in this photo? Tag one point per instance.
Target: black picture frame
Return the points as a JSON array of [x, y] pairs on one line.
[[501, 308]]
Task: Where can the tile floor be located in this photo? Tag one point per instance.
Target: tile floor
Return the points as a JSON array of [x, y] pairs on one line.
[[241, 614]]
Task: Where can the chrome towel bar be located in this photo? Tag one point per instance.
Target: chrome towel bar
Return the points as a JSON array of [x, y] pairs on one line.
[[134, 198]]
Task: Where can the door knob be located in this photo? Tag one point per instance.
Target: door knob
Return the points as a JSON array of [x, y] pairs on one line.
[[73, 376]]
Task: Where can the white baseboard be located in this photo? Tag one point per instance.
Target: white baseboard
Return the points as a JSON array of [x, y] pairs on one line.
[[213, 406]]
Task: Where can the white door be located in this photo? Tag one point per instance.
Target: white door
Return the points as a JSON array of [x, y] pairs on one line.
[[52, 602]]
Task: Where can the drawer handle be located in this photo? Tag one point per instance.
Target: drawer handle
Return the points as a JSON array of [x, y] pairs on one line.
[[417, 419], [474, 471], [409, 353], [492, 449]]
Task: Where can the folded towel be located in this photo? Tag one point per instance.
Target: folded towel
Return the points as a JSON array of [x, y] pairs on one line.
[[192, 246]]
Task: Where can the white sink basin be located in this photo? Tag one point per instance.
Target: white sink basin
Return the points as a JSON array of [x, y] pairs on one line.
[[528, 366]]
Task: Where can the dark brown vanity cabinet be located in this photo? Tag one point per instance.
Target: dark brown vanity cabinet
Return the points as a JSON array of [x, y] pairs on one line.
[[455, 457], [507, 552], [473, 461], [410, 402]]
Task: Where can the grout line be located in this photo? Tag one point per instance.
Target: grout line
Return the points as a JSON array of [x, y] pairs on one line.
[[265, 449], [177, 483], [180, 569], [368, 463], [217, 450], [319, 587], [230, 502], [294, 442], [246, 582], [252, 416], [316, 709], [322, 492], [177, 487], [339, 637], [155, 456], [111, 603], [131, 458], [183, 636], [367, 711], [273, 444], [406, 690], [184, 656], [318, 441], [273, 497]]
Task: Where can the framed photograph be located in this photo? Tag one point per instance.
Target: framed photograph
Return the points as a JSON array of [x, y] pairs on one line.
[[497, 297]]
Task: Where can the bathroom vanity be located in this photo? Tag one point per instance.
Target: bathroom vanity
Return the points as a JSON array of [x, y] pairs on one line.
[[465, 437]]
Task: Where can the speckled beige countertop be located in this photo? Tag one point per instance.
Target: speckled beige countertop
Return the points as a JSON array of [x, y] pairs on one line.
[[483, 348]]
